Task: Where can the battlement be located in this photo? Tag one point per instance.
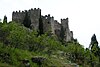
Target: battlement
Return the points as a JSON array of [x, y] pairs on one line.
[[48, 17], [64, 23], [65, 19], [35, 10]]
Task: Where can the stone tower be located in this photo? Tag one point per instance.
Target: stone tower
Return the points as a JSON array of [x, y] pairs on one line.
[[68, 35], [34, 15], [48, 23]]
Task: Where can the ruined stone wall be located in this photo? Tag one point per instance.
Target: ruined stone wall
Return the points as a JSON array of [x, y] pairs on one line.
[[52, 25], [68, 35], [46, 23], [18, 16], [34, 15], [71, 34], [49, 24], [57, 28]]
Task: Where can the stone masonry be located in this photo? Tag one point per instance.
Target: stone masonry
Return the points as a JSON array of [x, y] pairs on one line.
[[49, 24]]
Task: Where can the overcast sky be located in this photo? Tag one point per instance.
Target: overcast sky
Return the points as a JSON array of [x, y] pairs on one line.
[[84, 15]]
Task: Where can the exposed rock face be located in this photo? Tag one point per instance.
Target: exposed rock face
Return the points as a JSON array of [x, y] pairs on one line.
[[38, 60], [25, 63], [48, 23]]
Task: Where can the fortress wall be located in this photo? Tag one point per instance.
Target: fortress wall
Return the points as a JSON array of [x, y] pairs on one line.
[[18, 16], [64, 23], [68, 35], [57, 27], [71, 34], [34, 16], [52, 25], [49, 24], [46, 23]]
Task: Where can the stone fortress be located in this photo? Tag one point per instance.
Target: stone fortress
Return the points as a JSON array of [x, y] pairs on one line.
[[46, 23]]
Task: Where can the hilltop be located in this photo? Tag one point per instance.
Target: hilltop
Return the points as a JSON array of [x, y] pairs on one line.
[[38, 41]]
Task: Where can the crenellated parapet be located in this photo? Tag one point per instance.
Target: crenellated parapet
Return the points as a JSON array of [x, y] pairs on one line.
[[18, 16], [48, 23], [64, 22], [30, 10], [35, 10]]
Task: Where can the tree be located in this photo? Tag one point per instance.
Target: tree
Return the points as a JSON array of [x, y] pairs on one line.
[[62, 34], [94, 45], [0, 20], [5, 19], [75, 53], [27, 21], [93, 41], [18, 36], [95, 51], [40, 25]]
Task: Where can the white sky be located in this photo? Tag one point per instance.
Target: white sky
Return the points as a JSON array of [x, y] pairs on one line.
[[84, 15]]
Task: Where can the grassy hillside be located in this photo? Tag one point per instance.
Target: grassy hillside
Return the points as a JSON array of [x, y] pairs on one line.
[[20, 46]]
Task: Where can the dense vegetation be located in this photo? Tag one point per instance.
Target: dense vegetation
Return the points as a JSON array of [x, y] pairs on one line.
[[19, 45]]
